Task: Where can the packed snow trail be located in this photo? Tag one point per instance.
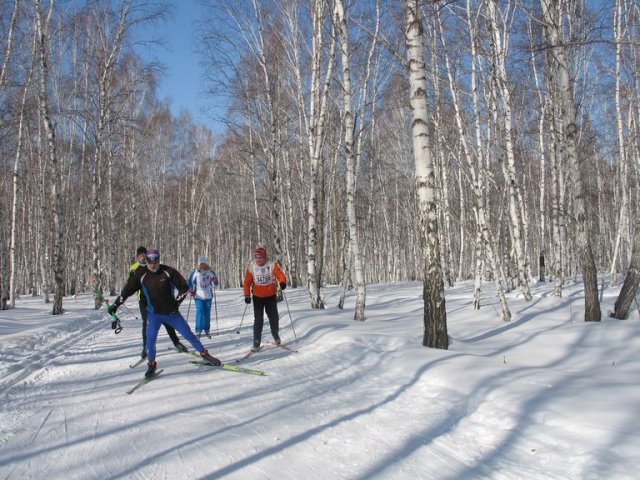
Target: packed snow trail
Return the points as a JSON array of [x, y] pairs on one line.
[[359, 400]]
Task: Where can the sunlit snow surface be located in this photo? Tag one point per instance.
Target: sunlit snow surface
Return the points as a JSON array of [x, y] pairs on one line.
[[546, 396]]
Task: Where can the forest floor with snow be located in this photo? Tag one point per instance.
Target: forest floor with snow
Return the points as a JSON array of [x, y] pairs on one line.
[[545, 396]]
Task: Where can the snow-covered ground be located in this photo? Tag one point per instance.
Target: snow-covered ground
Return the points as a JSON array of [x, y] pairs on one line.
[[545, 396]]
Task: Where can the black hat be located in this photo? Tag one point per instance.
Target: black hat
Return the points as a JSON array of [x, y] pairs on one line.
[[141, 250]]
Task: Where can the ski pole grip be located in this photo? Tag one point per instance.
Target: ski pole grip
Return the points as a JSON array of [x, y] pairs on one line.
[[115, 325]]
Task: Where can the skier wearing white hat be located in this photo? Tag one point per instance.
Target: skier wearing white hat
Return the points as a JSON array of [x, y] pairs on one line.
[[202, 283]]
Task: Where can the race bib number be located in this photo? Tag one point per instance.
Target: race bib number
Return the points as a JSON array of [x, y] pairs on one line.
[[263, 275]]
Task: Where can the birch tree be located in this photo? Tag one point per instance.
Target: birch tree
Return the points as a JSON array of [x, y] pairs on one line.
[[354, 256], [499, 37], [553, 13], [107, 50], [435, 314], [622, 235], [7, 266], [16, 169], [484, 241], [318, 110], [43, 31]]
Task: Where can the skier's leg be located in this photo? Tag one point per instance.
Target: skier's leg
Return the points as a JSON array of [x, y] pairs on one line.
[[198, 303], [258, 320], [271, 307], [177, 321], [206, 315], [153, 325], [143, 313], [172, 333]]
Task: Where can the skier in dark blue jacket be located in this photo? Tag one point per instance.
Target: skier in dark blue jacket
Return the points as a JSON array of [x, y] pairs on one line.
[[157, 283]]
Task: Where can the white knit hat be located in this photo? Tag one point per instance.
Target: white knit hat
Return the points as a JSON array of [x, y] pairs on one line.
[[202, 259]]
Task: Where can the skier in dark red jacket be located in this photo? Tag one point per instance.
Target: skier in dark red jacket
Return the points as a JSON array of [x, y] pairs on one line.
[[157, 283]]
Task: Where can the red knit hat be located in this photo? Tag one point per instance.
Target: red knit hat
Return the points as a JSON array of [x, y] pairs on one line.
[[261, 252]]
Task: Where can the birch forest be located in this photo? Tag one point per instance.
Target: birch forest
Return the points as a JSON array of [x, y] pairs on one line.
[[364, 141]]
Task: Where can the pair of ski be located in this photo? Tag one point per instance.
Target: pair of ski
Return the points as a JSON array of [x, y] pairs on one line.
[[224, 366], [200, 362], [263, 348]]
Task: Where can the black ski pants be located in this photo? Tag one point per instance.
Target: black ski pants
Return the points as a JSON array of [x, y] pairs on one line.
[[260, 306]]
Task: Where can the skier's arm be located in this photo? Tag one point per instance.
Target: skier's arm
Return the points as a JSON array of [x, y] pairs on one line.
[[248, 281], [280, 276], [131, 287], [180, 283], [191, 284]]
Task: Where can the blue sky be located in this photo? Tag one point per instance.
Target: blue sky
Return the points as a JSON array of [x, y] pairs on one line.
[[181, 86]]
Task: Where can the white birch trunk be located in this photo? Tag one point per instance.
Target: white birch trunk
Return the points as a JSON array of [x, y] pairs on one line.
[[435, 314], [351, 167], [552, 13], [98, 238], [16, 169], [445, 246], [622, 235], [484, 237], [461, 230], [52, 156], [542, 105], [515, 207], [317, 118], [7, 266]]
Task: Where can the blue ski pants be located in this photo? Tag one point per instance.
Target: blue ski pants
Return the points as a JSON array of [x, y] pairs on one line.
[[203, 315], [177, 321]]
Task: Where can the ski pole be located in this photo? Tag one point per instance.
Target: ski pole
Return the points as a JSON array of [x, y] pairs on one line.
[[189, 308], [245, 311], [215, 307], [115, 324], [290, 317]]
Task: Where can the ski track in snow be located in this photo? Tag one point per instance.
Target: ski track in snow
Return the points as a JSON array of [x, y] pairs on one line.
[[357, 401]]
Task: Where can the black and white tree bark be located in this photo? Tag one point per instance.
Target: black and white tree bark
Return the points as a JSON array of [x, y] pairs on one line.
[[107, 50], [622, 241], [499, 43], [435, 314], [553, 12], [354, 251], [318, 111], [7, 262], [58, 215], [474, 157]]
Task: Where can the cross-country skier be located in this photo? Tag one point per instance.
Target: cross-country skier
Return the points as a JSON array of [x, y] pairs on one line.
[[142, 303], [157, 283], [260, 279], [202, 283]]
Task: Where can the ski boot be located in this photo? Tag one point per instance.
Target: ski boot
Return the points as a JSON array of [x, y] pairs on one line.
[[151, 369], [180, 347], [209, 359]]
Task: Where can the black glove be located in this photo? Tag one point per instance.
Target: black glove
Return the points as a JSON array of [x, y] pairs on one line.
[[283, 285], [247, 300], [112, 308]]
